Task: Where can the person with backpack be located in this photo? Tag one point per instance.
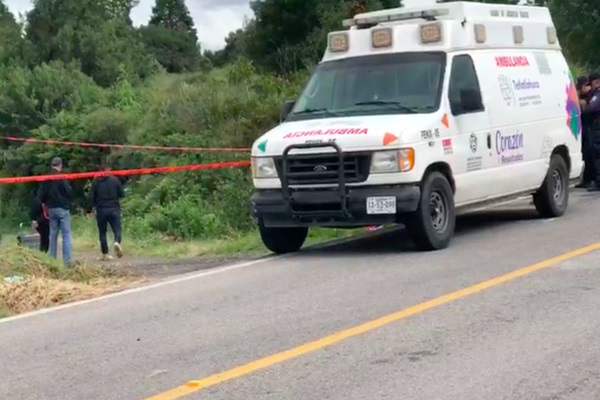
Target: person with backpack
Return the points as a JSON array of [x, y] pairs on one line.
[[40, 222], [105, 196]]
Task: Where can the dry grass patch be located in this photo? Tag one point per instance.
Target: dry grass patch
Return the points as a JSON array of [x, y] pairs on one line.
[[41, 282]]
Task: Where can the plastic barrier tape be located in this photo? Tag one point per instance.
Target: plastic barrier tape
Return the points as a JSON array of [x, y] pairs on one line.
[[124, 146], [123, 172]]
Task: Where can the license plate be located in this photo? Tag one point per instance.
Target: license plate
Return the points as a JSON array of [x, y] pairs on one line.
[[381, 205]]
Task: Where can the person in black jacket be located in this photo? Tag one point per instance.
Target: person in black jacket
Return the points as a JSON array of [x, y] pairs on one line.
[[57, 196], [40, 222], [589, 171], [591, 111], [105, 196]]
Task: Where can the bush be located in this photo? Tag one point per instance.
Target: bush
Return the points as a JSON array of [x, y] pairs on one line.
[[230, 107]]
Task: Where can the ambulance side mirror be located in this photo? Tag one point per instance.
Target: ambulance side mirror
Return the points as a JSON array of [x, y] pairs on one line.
[[286, 109], [470, 101]]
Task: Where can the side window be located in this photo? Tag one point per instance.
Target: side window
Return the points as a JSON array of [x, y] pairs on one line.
[[463, 91]]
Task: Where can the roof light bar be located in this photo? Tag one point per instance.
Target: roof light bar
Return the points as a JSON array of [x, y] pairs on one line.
[[399, 16]]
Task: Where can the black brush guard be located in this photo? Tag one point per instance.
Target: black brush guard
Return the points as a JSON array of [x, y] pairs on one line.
[[287, 191]]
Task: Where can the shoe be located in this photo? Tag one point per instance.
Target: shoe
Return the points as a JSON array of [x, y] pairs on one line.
[[118, 249], [582, 185], [106, 257]]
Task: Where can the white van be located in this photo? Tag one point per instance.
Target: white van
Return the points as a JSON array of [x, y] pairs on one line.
[[415, 114]]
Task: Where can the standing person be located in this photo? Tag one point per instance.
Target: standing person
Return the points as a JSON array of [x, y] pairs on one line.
[[40, 222], [105, 196], [589, 171], [57, 196], [591, 110]]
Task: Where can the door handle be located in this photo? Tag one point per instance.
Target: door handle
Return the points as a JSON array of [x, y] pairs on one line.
[[489, 141]]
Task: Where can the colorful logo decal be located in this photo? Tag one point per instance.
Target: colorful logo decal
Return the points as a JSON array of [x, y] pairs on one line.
[[509, 147], [572, 109], [389, 138], [262, 146]]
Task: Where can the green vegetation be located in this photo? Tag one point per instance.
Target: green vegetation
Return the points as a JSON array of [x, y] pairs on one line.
[[82, 72]]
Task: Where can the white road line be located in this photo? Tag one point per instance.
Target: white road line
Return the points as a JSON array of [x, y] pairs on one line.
[[185, 278], [202, 274]]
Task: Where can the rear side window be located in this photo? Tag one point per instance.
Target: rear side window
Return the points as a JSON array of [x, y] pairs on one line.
[[463, 81]]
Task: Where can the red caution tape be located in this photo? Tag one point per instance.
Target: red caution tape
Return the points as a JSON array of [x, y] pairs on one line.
[[123, 172], [124, 146]]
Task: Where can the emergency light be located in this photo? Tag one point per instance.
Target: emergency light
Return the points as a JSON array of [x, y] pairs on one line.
[[431, 33], [338, 42], [551, 34], [381, 37], [480, 33], [393, 17]]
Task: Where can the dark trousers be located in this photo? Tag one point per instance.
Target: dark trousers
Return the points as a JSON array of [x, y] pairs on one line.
[[105, 218], [587, 150], [44, 232], [595, 150]]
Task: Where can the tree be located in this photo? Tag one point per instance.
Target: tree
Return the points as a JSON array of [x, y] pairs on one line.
[[14, 50], [578, 30], [120, 8], [91, 32], [174, 15], [235, 46], [171, 36], [282, 42]]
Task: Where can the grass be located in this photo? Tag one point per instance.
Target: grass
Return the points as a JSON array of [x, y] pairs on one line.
[[85, 239], [44, 282], [246, 243]]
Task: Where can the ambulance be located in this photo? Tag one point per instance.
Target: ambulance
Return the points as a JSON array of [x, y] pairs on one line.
[[417, 114]]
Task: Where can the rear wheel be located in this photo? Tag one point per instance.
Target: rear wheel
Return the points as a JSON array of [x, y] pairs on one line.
[[431, 227], [282, 240], [552, 198]]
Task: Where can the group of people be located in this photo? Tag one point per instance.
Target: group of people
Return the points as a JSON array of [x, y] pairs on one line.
[[588, 88], [50, 212]]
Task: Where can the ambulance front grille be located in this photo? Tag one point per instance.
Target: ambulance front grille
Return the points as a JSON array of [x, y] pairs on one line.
[[313, 169]]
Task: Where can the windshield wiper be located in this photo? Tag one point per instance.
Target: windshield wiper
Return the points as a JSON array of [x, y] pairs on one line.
[[313, 111], [392, 104]]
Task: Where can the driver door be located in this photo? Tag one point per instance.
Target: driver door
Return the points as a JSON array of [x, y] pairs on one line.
[[472, 144]]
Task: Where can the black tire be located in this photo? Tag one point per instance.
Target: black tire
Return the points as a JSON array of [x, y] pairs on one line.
[[426, 230], [282, 240], [552, 198]]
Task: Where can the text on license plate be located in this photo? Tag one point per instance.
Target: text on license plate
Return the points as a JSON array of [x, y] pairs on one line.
[[381, 205]]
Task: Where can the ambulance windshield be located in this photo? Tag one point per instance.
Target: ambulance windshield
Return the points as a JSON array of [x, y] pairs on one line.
[[401, 83]]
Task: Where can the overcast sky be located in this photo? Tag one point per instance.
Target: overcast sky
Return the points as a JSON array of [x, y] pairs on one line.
[[214, 19]]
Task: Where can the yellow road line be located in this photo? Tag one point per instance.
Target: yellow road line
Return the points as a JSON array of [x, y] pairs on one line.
[[197, 385]]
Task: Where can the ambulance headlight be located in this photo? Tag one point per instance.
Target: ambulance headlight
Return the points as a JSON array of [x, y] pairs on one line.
[[402, 160], [263, 168]]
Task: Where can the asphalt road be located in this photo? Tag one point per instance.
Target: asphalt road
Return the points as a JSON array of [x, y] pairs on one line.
[[518, 337]]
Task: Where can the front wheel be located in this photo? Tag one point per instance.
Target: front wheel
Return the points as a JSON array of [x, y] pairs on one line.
[[431, 227], [552, 198], [282, 240]]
